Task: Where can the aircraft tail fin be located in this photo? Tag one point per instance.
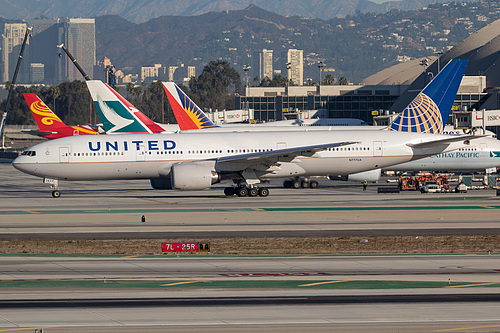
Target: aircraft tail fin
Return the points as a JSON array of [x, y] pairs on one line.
[[117, 114], [188, 115], [429, 111], [44, 117]]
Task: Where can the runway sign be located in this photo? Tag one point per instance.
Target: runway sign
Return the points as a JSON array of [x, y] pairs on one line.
[[185, 247]]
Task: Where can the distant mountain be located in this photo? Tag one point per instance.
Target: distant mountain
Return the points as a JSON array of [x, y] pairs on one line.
[[353, 47], [138, 11]]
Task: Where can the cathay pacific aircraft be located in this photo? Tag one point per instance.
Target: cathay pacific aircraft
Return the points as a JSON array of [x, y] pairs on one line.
[[197, 160]]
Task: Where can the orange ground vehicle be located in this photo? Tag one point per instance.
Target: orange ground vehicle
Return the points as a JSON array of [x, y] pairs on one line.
[[413, 183]]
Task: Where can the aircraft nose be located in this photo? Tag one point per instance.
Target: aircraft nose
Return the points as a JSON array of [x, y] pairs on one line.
[[22, 164]]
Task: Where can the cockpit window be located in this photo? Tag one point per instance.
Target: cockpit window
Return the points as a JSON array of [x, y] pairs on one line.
[[29, 153]]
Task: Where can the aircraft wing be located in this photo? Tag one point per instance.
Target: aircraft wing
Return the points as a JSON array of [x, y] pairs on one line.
[[435, 143], [38, 132], [287, 153]]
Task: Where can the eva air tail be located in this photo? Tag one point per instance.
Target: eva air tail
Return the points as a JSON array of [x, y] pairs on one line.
[[429, 111], [188, 115], [50, 126], [116, 113]]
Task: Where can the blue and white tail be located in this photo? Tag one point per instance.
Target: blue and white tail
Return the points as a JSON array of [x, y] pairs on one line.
[[429, 111]]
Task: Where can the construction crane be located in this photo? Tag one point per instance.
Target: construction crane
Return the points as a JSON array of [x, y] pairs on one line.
[[5, 115], [74, 61]]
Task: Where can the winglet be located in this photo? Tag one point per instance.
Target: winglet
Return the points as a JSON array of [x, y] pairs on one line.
[[188, 115], [429, 111]]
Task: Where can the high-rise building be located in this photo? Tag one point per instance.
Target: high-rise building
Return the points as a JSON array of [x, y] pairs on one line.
[[12, 36], [263, 64], [293, 66], [78, 35], [37, 72]]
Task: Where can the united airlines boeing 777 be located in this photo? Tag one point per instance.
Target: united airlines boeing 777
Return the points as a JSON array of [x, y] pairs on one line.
[[195, 161]]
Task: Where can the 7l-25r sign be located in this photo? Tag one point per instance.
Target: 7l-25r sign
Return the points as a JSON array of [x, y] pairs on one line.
[[185, 247]]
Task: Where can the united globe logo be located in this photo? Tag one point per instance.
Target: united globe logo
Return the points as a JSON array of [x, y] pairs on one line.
[[422, 115]]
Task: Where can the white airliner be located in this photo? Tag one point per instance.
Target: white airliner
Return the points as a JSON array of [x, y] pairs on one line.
[[196, 160]]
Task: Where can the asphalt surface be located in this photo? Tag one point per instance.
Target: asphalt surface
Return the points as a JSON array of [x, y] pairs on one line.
[[242, 294]]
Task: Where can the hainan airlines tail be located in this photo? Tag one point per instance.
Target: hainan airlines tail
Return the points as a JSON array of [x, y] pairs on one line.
[[429, 111], [117, 114], [50, 126], [189, 116]]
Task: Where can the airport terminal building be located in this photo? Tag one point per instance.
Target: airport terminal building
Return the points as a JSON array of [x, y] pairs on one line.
[[390, 90]]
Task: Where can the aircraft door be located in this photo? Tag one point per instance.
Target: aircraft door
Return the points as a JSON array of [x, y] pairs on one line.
[[483, 150], [378, 149], [281, 145], [141, 153], [64, 154]]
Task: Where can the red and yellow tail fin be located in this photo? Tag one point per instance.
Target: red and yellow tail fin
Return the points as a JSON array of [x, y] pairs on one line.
[[44, 117]]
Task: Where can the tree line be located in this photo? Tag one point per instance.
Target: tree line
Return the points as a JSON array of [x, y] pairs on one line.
[[214, 88]]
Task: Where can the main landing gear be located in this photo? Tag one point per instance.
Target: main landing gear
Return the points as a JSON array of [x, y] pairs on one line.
[[243, 191], [300, 183]]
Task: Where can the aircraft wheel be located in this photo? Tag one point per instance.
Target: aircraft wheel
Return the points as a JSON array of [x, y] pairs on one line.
[[241, 192], [56, 193], [263, 192], [287, 184], [304, 184], [296, 184], [314, 184], [229, 191], [253, 192]]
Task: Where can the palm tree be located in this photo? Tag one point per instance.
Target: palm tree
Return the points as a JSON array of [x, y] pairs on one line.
[[55, 91], [329, 79]]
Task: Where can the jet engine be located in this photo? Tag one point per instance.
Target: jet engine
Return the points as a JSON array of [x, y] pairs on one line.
[[369, 176], [193, 176]]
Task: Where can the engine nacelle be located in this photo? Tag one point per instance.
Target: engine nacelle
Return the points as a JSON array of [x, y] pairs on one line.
[[370, 176], [191, 176], [161, 183]]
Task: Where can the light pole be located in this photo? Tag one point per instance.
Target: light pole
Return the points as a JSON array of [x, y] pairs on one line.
[[246, 68], [320, 66], [438, 53], [288, 67]]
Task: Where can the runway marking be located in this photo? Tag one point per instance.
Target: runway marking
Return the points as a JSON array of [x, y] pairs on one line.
[[270, 209], [472, 285], [26, 328], [464, 328], [178, 283], [158, 201], [318, 283], [135, 256]]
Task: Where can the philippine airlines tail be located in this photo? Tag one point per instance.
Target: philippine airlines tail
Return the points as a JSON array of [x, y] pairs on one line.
[[117, 114], [429, 111], [50, 126], [188, 115]]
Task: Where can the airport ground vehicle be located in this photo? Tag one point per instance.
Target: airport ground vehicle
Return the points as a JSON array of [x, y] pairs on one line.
[[430, 186], [461, 188], [415, 182]]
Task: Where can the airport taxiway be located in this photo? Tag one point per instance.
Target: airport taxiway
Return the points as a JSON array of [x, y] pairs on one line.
[[411, 293], [114, 209]]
